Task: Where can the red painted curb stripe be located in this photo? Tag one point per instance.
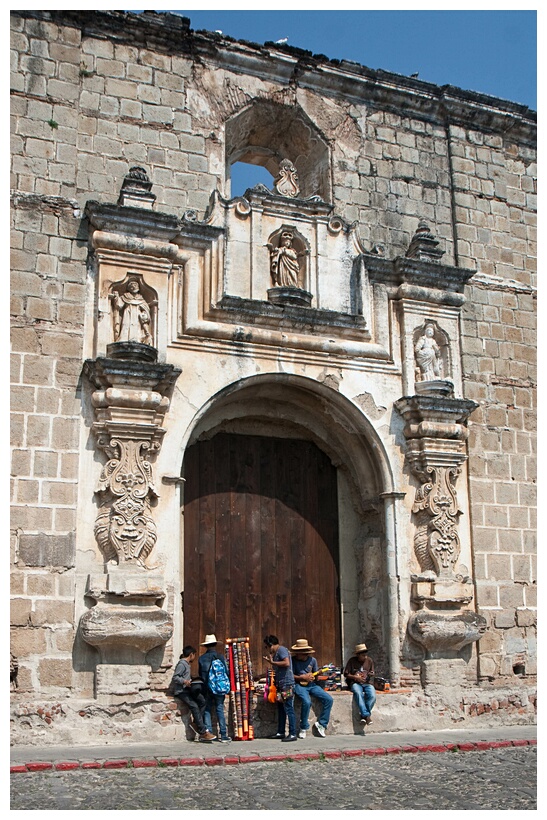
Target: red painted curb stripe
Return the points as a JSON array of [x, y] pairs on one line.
[[68, 765]]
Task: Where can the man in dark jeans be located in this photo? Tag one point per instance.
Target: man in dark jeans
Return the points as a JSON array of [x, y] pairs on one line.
[[183, 690], [213, 702], [280, 659]]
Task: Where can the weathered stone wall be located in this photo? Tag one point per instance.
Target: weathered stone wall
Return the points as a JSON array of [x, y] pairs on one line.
[[95, 94]]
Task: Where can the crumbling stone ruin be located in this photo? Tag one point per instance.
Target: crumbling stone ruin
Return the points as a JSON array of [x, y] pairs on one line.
[[307, 408]]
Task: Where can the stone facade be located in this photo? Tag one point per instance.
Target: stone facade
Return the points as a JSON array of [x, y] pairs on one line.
[[407, 206]]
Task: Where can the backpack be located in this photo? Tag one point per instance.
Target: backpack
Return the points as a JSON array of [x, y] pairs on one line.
[[217, 679]]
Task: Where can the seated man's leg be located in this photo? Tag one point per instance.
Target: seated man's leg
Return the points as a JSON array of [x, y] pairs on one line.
[[370, 696], [326, 703], [304, 695], [359, 699], [195, 710]]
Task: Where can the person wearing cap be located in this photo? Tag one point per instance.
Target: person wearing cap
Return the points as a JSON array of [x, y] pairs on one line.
[[359, 675], [280, 659], [213, 701], [305, 675]]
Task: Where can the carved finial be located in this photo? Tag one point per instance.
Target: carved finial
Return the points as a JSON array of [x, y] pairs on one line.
[[136, 189], [286, 182], [423, 245]]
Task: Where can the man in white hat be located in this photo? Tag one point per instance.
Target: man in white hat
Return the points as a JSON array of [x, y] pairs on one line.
[[213, 701], [305, 671], [359, 675]]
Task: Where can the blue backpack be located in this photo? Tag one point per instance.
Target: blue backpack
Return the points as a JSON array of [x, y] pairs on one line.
[[217, 679]]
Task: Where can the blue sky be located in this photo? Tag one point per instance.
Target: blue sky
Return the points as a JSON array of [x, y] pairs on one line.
[[490, 51]]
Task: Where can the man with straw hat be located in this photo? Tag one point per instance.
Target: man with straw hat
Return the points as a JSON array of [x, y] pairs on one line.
[[305, 671], [359, 675], [213, 701]]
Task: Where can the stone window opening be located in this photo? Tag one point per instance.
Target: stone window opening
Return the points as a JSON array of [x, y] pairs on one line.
[[265, 133], [244, 175], [519, 669]]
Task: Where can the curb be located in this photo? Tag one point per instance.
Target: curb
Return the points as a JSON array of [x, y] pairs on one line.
[[134, 763]]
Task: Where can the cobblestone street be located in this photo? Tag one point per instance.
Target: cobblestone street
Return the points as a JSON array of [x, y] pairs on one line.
[[498, 779]]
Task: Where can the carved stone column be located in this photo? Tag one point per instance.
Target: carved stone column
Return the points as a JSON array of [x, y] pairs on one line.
[[130, 401], [435, 432]]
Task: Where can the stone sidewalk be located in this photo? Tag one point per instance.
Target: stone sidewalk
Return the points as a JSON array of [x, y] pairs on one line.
[[185, 753]]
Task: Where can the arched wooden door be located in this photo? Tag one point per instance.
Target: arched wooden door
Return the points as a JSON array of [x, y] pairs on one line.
[[261, 543]]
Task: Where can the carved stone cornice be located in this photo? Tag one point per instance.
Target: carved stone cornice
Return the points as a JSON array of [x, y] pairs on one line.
[[132, 221]]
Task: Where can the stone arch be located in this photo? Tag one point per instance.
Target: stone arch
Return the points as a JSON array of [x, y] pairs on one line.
[[283, 405], [264, 133]]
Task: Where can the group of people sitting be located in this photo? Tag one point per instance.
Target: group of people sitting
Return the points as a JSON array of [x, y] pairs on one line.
[[296, 672]]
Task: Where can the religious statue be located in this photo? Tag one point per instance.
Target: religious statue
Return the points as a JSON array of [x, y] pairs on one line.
[[286, 182], [428, 356], [131, 315], [284, 264]]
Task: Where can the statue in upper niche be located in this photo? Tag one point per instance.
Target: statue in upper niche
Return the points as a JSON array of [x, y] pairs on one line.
[[428, 356], [131, 315], [286, 182], [284, 264]]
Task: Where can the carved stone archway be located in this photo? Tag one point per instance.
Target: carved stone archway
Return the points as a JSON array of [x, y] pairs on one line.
[[286, 406]]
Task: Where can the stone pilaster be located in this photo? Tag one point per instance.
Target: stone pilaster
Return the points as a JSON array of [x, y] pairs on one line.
[[435, 430]]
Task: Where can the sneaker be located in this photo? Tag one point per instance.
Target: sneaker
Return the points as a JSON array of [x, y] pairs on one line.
[[207, 737], [320, 729], [363, 720], [277, 736], [368, 720], [289, 739], [302, 734], [225, 739]]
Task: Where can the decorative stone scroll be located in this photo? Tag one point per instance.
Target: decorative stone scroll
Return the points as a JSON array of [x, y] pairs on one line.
[[436, 542], [286, 182]]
